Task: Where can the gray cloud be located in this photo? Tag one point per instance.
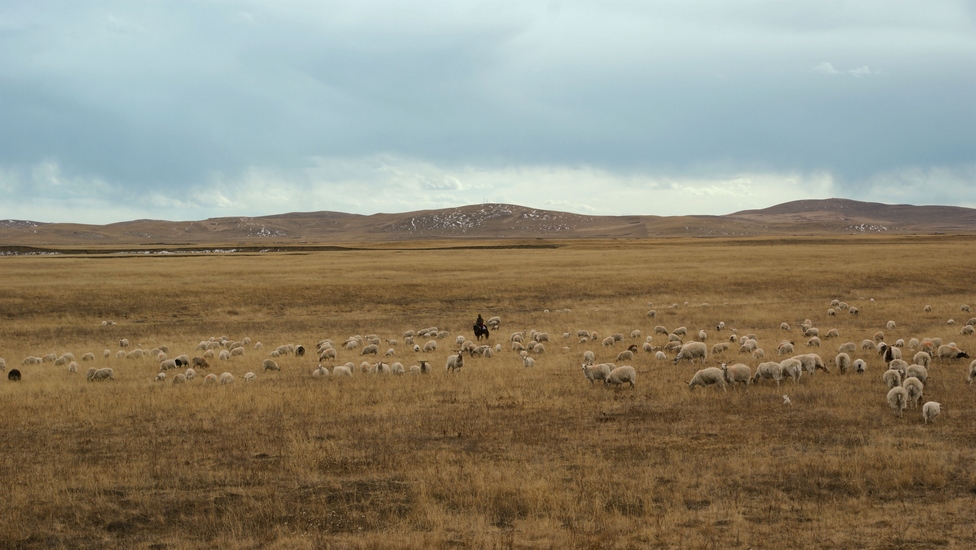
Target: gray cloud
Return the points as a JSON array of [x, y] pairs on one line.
[[177, 102]]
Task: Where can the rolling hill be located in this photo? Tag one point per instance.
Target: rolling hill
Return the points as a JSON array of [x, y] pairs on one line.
[[492, 221]]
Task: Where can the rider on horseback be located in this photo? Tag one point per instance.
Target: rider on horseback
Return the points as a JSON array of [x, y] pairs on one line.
[[479, 328]]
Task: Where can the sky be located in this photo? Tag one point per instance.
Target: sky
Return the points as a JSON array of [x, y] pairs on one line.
[[186, 110]]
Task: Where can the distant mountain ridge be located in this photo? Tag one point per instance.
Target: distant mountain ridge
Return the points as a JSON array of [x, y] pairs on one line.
[[498, 221]]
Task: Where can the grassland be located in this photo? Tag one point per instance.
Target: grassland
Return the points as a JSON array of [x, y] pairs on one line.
[[496, 456]]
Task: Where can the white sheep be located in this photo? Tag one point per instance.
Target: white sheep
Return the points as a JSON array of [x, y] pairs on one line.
[[811, 362], [371, 349], [692, 351], [72, 367], [596, 372], [621, 375], [706, 376], [660, 356], [167, 364], [320, 371], [625, 355], [210, 379], [178, 379], [589, 357], [161, 377], [859, 366], [528, 362], [680, 331], [237, 352], [770, 370], [608, 341], [784, 326], [843, 362], [917, 371], [341, 370], [869, 345], [102, 374], [397, 368], [898, 399], [454, 362], [890, 325], [813, 342], [269, 364], [190, 374], [738, 372], [785, 348], [792, 368], [930, 410], [636, 333], [226, 378], [716, 349], [832, 333], [430, 346], [892, 378], [950, 352], [914, 388]]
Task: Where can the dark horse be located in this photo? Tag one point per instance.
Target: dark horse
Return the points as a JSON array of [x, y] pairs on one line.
[[480, 331]]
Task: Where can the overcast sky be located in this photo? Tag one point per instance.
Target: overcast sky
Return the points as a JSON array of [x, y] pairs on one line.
[[113, 111]]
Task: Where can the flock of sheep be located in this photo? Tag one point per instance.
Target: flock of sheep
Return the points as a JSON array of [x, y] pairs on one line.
[[905, 381]]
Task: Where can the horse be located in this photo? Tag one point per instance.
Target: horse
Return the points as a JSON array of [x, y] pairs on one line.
[[480, 331]]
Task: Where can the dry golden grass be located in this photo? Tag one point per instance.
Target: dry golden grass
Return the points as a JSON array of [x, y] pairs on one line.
[[496, 456]]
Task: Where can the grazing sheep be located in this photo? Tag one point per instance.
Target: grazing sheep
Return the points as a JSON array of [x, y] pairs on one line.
[[930, 410], [72, 367], [811, 362], [898, 399], [226, 378], [702, 336], [706, 376], [161, 377], [178, 379], [124, 343], [596, 372], [813, 342], [268, 364], [759, 354], [31, 360], [106, 353], [890, 325], [812, 331], [625, 355], [199, 362], [869, 345], [528, 362], [770, 370], [608, 341], [964, 307], [320, 371], [190, 374], [236, 352], [636, 333], [784, 326], [13, 375], [736, 373], [832, 333], [889, 353], [878, 336], [718, 348], [397, 368], [102, 374], [430, 346], [950, 352], [168, 364], [660, 356], [341, 370], [917, 371], [914, 387], [892, 378], [454, 362], [661, 330], [621, 375], [748, 345], [853, 310], [859, 366], [210, 379], [692, 351], [784, 348], [792, 368], [371, 349], [842, 362]]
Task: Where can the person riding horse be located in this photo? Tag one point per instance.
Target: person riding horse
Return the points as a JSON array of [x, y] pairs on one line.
[[480, 330]]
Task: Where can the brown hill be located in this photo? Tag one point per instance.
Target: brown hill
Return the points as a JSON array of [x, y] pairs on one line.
[[491, 221]]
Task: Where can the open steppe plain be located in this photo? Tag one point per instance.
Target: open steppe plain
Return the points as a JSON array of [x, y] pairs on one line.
[[496, 455]]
